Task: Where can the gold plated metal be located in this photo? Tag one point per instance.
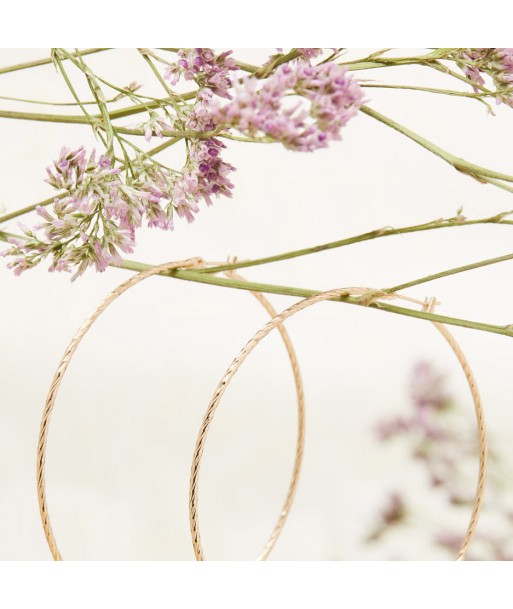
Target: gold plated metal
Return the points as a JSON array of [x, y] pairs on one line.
[[63, 365], [366, 296]]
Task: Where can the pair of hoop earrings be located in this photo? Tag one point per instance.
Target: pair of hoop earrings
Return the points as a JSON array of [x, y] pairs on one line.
[[275, 322]]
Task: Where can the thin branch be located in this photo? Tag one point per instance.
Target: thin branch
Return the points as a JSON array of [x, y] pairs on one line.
[[450, 92], [48, 118], [189, 275], [77, 119], [372, 61], [447, 273], [475, 171], [208, 278], [375, 234], [43, 62], [42, 102]]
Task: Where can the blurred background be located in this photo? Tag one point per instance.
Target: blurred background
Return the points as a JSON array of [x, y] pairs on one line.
[[126, 418]]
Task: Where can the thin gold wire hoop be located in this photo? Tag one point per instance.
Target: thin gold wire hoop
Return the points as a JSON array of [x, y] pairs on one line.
[[298, 459], [367, 296], [72, 347]]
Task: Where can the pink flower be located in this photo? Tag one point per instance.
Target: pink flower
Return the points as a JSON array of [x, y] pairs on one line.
[[309, 53], [154, 126], [205, 176], [206, 68], [328, 99], [496, 63], [98, 217]]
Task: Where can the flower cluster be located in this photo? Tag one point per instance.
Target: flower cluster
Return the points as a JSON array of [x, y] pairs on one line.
[[94, 219], [496, 63], [394, 512], [155, 125], [428, 398], [206, 68], [95, 216], [309, 53], [447, 457], [204, 176], [267, 109], [99, 212]]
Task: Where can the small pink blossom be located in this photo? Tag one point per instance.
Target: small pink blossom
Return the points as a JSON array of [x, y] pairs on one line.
[[496, 63], [206, 68], [327, 98], [309, 53]]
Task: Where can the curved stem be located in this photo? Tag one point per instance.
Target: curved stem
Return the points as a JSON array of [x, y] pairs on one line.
[[471, 169]]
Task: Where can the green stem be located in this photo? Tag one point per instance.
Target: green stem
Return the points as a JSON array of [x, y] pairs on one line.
[[245, 67], [268, 69], [132, 95], [42, 62], [70, 86], [194, 275], [454, 271], [499, 184], [159, 103], [475, 171], [77, 119], [165, 133], [448, 72], [375, 234], [41, 102], [372, 62], [30, 208], [371, 65], [145, 55], [97, 92], [450, 92], [47, 118], [189, 275]]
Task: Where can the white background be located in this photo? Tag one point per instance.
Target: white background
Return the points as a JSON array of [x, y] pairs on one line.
[[129, 409]]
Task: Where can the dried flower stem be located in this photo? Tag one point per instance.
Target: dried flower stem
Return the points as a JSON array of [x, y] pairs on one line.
[[195, 276], [375, 234], [447, 273], [209, 278], [482, 174], [43, 62], [450, 92]]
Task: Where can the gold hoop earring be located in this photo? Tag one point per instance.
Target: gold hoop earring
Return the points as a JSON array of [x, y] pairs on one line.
[[68, 354], [366, 297]]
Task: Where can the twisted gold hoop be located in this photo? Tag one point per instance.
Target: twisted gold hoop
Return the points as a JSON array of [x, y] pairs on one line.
[[366, 296], [72, 347]]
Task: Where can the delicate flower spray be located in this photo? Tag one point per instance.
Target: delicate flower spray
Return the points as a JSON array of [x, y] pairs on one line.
[[300, 98], [497, 64], [444, 448], [99, 207]]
